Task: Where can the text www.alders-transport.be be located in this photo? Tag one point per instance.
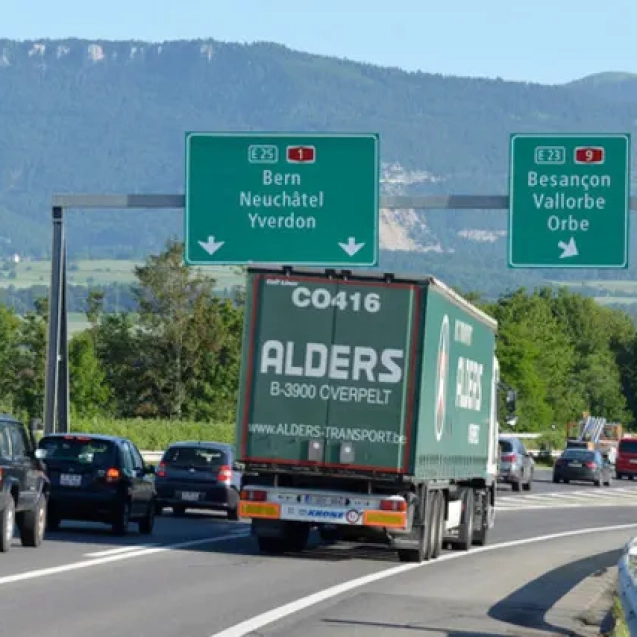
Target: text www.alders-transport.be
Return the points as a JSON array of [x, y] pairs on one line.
[[346, 434]]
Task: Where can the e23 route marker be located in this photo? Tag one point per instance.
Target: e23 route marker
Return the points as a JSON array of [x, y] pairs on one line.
[[569, 200]]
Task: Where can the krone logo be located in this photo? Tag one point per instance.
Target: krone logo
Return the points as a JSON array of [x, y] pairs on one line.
[[442, 378]]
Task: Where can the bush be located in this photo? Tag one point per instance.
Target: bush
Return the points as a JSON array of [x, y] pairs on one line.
[[156, 435]]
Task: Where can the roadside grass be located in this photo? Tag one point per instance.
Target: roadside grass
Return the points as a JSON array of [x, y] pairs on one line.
[[620, 629], [156, 435]]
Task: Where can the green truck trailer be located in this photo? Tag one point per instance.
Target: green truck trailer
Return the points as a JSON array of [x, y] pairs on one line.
[[368, 408]]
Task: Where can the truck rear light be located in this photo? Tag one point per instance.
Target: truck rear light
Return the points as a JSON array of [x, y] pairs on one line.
[[254, 496], [161, 470], [393, 505], [509, 457], [225, 474]]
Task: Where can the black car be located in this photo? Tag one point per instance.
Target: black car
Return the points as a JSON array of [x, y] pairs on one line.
[[24, 487], [96, 478], [583, 465], [198, 475]]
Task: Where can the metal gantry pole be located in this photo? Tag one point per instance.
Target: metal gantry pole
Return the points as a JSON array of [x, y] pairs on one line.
[[55, 313], [56, 388]]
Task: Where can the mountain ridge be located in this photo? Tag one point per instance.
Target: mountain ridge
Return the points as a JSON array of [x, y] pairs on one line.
[[85, 115]]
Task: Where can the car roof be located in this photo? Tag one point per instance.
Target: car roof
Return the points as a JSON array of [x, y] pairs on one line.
[[203, 444], [76, 434], [9, 418]]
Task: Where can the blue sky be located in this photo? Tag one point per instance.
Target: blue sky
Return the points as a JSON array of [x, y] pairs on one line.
[[548, 41]]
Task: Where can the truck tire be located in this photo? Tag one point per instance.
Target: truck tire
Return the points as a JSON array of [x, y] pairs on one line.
[[465, 532], [296, 536], [272, 545], [481, 534], [438, 526], [425, 533]]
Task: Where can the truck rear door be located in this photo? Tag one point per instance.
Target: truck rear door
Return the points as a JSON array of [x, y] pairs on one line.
[[328, 378]]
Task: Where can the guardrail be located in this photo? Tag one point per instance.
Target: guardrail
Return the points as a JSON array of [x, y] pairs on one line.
[[627, 584]]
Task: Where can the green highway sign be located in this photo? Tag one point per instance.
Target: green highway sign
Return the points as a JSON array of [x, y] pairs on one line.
[[284, 198], [569, 200]]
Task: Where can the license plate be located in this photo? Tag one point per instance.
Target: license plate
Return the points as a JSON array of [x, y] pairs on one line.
[[190, 495], [70, 480], [324, 500], [576, 464]]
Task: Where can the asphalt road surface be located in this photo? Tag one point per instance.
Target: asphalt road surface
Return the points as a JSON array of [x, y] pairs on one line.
[[204, 575]]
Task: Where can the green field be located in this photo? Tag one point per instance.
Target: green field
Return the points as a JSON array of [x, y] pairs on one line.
[[99, 272], [619, 292]]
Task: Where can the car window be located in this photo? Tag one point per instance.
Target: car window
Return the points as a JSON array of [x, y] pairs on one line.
[[20, 442], [195, 457], [138, 461], [127, 457], [5, 444], [579, 454], [628, 446], [505, 446], [80, 450]]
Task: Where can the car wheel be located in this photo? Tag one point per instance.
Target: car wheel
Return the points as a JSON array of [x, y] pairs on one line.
[[179, 509], [528, 485], [33, 523], [53, 520], [7, 525], [233, 514], [515, 486], [597, 483], [147, 523], [122, 519], [556, 480]]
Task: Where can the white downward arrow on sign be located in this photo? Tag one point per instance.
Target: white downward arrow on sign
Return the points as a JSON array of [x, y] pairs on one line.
[[211, 246], [351, 247], [569, 249]]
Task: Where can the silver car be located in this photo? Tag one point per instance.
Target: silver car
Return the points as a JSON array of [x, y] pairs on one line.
[[516, 464]]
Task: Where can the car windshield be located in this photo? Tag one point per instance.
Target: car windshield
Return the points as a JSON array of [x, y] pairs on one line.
[[579, 454], [200, 457], [628, 446], [80, 450], [506, 446]]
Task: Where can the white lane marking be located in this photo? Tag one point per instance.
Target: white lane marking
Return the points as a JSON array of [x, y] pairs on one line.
[[121, 549], [259, 621], [75, 566]]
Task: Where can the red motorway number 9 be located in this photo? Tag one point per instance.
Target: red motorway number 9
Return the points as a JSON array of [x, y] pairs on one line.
[[589, 155]]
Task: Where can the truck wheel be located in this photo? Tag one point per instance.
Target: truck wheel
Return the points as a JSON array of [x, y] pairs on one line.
[[272, 545], [465, 532], [481, 534], [329, 535], [297, 535], [438, 527], [424, 533]]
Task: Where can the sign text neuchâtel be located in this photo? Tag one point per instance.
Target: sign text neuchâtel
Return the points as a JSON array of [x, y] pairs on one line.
[[292, 200]]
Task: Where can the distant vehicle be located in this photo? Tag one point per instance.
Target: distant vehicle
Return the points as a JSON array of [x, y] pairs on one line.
[[516, 464], [96, 478], [198, 475], [24, 486], [626, 460], [582, 465]]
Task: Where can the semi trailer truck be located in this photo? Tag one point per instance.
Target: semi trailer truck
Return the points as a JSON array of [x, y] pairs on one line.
[[368, 408]]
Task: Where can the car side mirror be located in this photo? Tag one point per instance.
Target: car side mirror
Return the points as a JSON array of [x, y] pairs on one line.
[[237, 466]]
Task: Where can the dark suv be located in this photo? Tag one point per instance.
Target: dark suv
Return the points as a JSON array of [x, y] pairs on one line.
[[24, 487], [97, 478]]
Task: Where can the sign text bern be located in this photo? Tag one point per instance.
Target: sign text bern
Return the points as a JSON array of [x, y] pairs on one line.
[[569, 201], [298, 199]]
